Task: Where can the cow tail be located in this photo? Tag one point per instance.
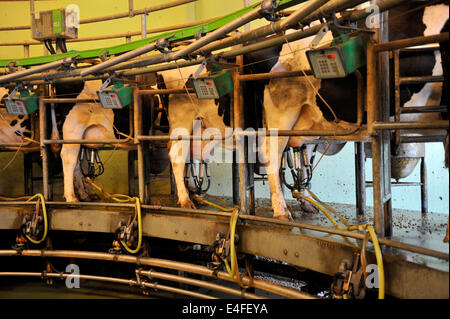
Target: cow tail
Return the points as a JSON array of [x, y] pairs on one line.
[[446, 151], [56, 148], [443, 46]]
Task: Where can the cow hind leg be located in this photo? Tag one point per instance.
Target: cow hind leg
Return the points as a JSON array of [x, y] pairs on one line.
[[272, 158], [69, 156], [178, 161], [79, 185]]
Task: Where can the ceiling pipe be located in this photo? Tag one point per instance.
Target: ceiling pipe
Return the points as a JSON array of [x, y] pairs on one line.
[[38, 69], [212, 36], [65, 77]]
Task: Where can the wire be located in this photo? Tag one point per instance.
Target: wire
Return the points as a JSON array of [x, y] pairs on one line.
[[122, 198], [379, 257], [12, 158], [199, 199], [41, 199]]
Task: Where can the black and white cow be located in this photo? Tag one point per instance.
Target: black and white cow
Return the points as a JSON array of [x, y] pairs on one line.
[[12, 127]]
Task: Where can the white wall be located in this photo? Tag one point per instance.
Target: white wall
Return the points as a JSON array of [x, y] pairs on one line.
[[334, 181]]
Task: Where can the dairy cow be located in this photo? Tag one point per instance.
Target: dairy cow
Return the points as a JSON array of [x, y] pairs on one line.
[[185, 110], [90, 121], [297, 103]]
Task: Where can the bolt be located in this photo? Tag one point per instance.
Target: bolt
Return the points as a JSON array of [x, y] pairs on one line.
[[285, 251], [176, 231], [297, 254]]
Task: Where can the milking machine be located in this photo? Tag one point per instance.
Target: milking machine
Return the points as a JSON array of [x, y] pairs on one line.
[[195, 174], [90, 164], [296, 159]]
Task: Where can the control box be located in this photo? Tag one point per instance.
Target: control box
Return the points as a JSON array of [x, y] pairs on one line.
[[54, 24], [213, 85], [339, 60], [116, 97], [21, 104]]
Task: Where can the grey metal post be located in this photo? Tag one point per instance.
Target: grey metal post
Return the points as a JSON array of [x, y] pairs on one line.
[[240, 141], [44, 152], [140, 151], [378, 98], [360, 179], [423, 186]]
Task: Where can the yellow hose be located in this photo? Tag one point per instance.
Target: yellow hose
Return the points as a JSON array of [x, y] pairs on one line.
[[376, 245], [121, 198], [233, 260], [138, 211], [224, 209], [234, 271], [44, 214], [233, 257], [379, 257]]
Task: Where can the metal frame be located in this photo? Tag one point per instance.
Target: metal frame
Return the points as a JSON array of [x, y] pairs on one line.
[[298, 244], [44, 142], [378, 127], [274, 231]]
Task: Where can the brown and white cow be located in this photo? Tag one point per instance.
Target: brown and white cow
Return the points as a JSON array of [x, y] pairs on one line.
[[184, 112], [90, 121], [84, 121]]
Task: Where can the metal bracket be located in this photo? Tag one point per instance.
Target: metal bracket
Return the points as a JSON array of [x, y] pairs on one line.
[[107, 83], [103, 55], [319, 36], [268, 10], [198, 178], [14, 92], [199, 33], [200, 69], [130, 9], [11, 65], [163, 44], [68, 61], [32, 226], [351, 26]]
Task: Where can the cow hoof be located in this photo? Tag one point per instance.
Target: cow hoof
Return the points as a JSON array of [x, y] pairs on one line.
[[188, 204], [83, 197], [94, 197], [307, 207], [287, 217]]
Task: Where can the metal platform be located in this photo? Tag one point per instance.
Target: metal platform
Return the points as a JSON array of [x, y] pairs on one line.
[[310, 242]]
